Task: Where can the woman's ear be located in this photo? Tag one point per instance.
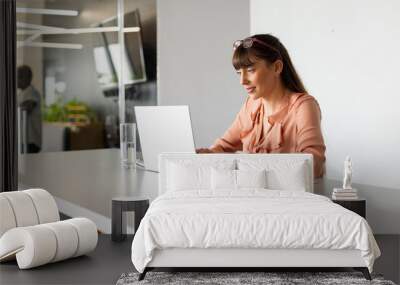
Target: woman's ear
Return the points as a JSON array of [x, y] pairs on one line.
[[278, 66]]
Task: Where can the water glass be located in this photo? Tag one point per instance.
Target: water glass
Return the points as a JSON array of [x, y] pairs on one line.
[[128, 145]]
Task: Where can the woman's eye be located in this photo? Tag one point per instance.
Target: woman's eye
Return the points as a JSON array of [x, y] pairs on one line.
[[250, 69]]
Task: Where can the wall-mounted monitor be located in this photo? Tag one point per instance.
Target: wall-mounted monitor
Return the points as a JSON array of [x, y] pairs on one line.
[[107, 56]]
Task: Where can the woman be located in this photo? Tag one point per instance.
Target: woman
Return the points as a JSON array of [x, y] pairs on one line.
[[278, 115]]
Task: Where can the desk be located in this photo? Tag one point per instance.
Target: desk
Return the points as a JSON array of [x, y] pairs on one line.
[[89, 179], [84, 182]]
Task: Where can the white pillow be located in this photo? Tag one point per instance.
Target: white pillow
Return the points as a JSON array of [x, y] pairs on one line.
[[191, 174], [251, 178], [223, 179], [281, 174], [237, 179], [291, 178]]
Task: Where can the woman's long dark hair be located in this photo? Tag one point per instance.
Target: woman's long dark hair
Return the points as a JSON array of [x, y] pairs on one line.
[[244, 57]]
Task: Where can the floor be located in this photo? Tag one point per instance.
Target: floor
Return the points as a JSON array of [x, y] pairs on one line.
[[110, 260], [103, 266]]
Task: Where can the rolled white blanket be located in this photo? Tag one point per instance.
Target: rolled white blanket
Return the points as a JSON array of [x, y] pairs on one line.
[[26, 208], [45, 205], [40, 244], [23, 209], [7, 220], [87, 235]]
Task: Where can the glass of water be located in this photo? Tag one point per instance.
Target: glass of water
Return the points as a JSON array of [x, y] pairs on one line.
[[128, 145]]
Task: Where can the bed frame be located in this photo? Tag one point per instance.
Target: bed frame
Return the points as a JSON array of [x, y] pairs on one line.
[[248, 259]]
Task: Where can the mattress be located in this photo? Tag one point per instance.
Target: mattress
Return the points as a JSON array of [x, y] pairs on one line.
[[251, 219]]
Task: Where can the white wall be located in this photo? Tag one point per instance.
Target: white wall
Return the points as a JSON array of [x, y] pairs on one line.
[[342, 49], [347, 53], [194, 50]]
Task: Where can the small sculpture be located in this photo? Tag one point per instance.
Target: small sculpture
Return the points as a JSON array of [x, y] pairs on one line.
[[348, 173]]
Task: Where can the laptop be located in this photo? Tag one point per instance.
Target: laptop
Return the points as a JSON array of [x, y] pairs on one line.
[[163, 129]]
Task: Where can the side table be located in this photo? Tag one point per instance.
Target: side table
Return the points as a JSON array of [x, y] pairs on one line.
[[358, 206], [139, 205]]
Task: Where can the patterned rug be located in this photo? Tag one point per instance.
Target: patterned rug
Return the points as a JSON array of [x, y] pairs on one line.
[[243, 278]]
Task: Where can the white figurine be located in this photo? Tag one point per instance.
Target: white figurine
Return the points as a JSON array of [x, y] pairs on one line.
[[348, 173]]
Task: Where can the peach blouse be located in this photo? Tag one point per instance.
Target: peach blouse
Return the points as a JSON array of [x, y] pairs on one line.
[[295, 128]]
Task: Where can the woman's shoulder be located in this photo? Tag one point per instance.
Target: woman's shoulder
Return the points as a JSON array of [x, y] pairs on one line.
[[306, 109], [250, 106], [302, 100]]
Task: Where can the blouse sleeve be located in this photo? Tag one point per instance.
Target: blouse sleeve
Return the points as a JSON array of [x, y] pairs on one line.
[[231, 141], [309, 134]]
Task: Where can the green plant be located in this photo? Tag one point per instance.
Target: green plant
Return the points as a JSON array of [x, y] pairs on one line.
[[55, 112], [61, 112]]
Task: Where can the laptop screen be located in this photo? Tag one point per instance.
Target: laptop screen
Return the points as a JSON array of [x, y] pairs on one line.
[[163, 129]]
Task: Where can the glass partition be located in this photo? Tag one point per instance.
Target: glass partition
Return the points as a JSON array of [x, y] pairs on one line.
[[69, 72]]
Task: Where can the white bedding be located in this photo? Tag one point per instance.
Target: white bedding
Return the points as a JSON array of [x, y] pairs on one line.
[[251, 218]]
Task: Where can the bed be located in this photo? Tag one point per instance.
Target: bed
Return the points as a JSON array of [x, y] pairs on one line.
[[246, 211]]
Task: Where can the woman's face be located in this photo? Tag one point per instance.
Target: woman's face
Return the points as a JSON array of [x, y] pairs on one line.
[[261, 78]]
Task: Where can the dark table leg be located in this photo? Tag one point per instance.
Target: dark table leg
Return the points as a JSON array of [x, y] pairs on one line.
[[118, 218], [140, 211], [117, 222]]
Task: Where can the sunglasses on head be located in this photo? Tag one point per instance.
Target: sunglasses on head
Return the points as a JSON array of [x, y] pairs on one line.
[[248, 43]]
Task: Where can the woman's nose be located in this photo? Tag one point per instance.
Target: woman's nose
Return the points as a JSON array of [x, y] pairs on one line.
[[243, 78]]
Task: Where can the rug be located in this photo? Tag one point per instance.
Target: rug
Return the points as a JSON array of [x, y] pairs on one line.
[[269, 278]]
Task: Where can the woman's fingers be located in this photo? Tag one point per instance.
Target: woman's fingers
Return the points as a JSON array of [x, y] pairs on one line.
[[203, 150]]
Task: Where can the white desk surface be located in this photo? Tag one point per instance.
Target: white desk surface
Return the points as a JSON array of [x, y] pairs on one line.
[[84, 182]]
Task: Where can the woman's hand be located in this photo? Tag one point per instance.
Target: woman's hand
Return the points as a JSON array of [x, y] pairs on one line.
[[204, 150]]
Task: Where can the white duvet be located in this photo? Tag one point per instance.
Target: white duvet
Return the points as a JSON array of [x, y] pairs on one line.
[[252, 218]]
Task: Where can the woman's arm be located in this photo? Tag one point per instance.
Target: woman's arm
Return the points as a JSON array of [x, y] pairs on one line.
[[309, 134], [231, 141]]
